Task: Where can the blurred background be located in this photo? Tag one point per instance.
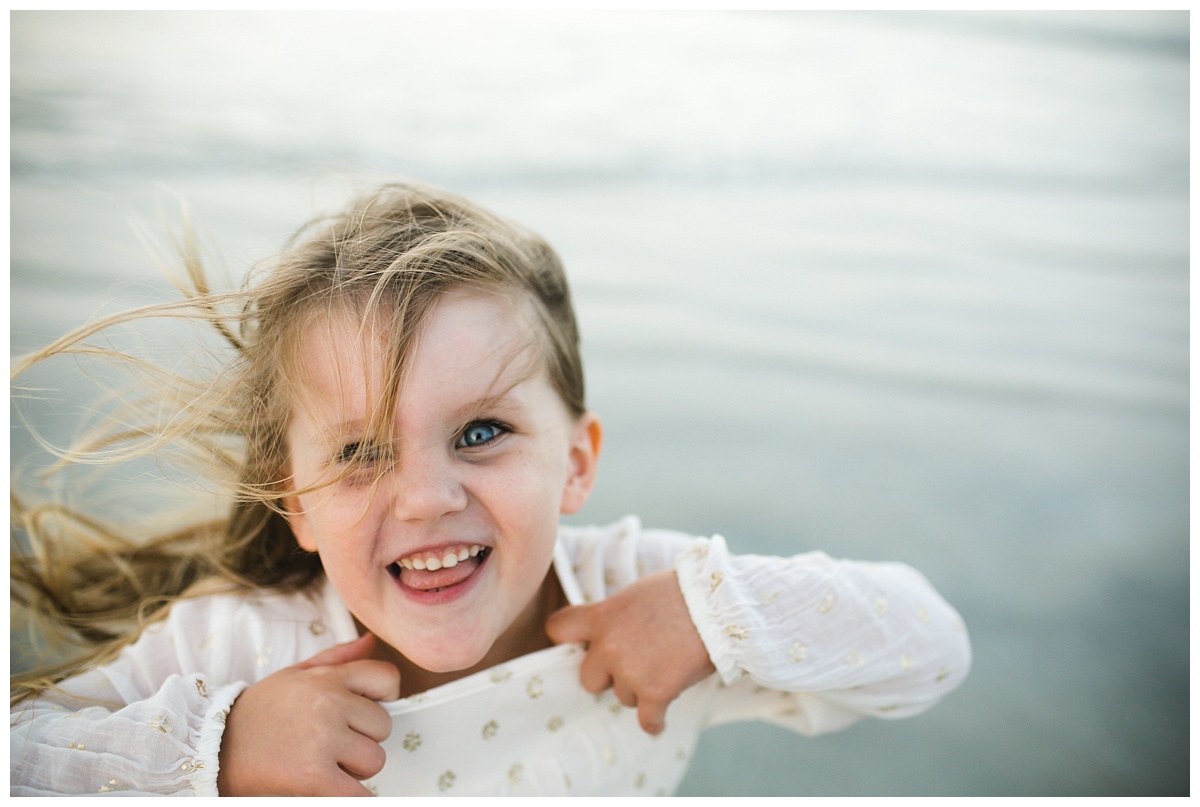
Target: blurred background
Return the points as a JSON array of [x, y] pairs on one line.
[[899, 286]]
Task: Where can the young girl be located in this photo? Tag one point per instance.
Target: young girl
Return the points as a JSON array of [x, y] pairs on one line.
[[390, 605]]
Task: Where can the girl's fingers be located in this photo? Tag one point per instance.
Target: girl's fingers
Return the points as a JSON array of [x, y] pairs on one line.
[[343, 783], [374, 680], [368, 719], [361, 757], [652, 716], [625, 696], [594, 674], [569, 625]]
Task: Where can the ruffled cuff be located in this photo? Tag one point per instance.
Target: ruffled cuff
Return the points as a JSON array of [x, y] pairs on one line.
[[212, 731], [701, 571]]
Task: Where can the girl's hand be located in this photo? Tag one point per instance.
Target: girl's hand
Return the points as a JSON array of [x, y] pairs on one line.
[[642, 641], [312, 729]]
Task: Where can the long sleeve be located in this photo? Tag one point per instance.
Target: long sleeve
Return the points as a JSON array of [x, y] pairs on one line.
[[847, 638], [152, 720], [806, 642]]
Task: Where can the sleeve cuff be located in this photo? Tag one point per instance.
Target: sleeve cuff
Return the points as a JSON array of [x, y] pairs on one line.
[[212, 731], [699, 571]]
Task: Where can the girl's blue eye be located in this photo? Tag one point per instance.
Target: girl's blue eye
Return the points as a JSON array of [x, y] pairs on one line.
[[479, 433]]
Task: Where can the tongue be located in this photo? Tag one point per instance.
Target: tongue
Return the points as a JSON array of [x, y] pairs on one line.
[[427, 581]]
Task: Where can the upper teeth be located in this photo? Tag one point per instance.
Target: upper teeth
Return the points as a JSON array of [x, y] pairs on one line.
[[432, 561]]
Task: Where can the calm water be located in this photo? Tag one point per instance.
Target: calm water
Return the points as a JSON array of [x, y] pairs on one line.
[[896, 287]]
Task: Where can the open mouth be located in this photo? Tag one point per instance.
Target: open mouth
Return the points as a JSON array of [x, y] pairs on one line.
[[436, 571]]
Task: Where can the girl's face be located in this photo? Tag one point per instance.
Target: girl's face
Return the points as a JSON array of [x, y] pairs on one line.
[[440, 541]]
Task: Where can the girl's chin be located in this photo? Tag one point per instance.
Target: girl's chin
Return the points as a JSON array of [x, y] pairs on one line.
[[452, 658]]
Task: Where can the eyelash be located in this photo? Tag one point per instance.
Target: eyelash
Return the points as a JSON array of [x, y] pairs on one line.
[[359, 453]]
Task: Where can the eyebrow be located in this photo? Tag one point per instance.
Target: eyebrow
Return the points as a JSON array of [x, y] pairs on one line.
[[474, 409]]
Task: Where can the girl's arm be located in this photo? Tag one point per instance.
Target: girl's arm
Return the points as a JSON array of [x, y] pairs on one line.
[[849, 639], [150, 721], [165, 743], [153, 720], [841, 639]]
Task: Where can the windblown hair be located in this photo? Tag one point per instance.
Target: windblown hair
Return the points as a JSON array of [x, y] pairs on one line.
[[387, 259]]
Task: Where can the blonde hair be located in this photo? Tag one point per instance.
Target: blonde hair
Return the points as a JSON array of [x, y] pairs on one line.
[[388, 258]]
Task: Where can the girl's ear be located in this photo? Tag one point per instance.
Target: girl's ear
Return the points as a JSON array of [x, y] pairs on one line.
[[586, 438]]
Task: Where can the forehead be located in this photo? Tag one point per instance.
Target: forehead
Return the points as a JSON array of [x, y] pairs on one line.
[[471, 344]]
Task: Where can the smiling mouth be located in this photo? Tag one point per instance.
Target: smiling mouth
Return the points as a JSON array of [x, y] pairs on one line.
[[436, 571]]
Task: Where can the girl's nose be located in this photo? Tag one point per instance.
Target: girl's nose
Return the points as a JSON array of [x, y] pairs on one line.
[[426, 486]]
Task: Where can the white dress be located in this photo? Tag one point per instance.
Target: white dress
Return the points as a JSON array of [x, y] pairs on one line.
[[807, 642]]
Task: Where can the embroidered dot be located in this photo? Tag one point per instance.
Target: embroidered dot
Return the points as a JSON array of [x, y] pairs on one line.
[[489, 729], [827, 603], [768, 598], [881, 606], [514, 774], [412, 741], [610, 756], [736, 632], [372, 787], [555, 723], [500, 674], [700, 551], [615, 707], [201, 688], [446, 780], [715, 581], [535, 687], [262, 657], [112, 785], [923, 616], [222, 716], [798, 653], [942, 675], [681, 754], [191, 766], [855, 659], [886, 709], [566, 781], [75, 746], [316, 627], [161, 723], [640, 781], [610, 578], [907, 661]]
